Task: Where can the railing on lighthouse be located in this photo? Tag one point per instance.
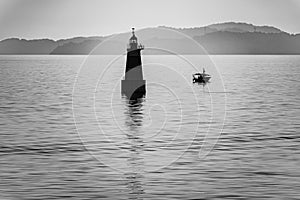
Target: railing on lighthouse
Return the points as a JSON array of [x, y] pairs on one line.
[[133, 43]]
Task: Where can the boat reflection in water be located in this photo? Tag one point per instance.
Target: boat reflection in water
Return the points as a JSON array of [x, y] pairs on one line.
[[135, 162]]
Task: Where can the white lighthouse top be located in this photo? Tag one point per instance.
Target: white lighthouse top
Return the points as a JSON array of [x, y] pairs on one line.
[[133, 42], [133, 37]]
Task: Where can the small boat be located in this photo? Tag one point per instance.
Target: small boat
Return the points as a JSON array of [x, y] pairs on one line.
[[201, 77]]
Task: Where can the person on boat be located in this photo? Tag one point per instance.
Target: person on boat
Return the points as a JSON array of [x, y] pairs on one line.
[[201, 79]]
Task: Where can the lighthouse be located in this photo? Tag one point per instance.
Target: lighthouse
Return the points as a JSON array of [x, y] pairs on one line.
[[134, 86]]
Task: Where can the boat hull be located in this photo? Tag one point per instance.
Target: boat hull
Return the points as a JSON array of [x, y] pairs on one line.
[[204, 79]]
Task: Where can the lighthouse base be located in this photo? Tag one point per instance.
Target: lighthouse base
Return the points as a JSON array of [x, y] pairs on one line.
[[133, 89]]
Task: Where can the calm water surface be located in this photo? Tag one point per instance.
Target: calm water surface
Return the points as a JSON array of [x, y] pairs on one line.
[[67, 133]]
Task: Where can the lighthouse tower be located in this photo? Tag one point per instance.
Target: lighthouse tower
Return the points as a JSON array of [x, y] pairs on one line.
[[134, 86]]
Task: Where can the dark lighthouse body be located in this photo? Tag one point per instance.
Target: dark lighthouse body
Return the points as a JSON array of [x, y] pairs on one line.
[[134, 85]]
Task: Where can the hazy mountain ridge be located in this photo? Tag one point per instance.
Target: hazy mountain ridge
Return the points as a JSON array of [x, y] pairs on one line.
[[244, 27], [77, 47], [222, 38], [43, 46], [22, 46], [250, 43], [227, 26]]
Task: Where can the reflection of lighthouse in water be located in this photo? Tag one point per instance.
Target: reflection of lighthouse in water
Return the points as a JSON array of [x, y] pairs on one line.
[[135, 160], [134, 86]]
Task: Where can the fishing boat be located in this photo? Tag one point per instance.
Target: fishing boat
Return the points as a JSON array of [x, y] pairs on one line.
[[201, 77]]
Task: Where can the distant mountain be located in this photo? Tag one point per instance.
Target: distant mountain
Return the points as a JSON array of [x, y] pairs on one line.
[[78, 40], [250, 43], [192, 32], [84, 46], [243, 27], [21, 46], [223, 38], [228, 27]]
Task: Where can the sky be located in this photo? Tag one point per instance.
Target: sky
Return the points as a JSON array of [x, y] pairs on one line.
[[58, 19]]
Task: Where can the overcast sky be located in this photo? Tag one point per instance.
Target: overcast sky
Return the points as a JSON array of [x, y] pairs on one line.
[[58, 19]]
